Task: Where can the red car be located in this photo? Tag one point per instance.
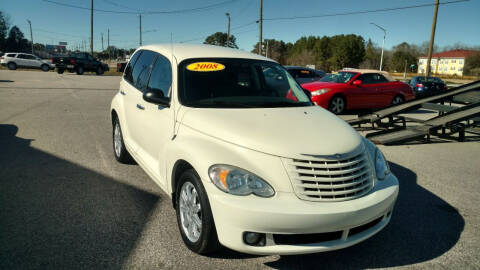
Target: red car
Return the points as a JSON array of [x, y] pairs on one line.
[[358, 89]]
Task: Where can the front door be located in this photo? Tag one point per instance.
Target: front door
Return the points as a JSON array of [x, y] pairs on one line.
[[157, 121]]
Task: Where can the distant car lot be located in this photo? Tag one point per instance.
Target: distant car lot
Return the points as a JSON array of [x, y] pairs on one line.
[[66, 203]]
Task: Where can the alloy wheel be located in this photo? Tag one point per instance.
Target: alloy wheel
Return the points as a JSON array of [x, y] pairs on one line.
[[190, 212], [117, 140], [337, 105]]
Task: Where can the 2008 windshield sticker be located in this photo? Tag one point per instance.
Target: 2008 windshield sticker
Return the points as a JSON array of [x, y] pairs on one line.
[[205, 66]]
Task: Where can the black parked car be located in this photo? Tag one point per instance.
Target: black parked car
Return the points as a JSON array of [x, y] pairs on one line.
[[304, 74], [79, 63], [428, 87]]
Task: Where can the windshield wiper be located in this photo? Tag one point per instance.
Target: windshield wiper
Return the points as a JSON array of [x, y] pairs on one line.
[[224, 104], [284, 104]]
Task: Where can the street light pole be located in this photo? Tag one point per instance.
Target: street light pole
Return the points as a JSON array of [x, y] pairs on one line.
[[31, 34], [228, 29], [260, 25], [140, 16], [91, 27], [383, 44], [432, 38]]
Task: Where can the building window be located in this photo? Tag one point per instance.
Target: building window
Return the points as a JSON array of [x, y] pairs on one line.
[[460, 62], [454, 61], [460, 69]]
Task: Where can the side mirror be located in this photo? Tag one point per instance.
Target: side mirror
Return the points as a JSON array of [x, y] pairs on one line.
[[308, 93], [156, 96], [357, 82]]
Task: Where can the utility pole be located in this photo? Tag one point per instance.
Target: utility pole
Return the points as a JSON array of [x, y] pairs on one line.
[[140, 16], [228, 29], [108, 43], [383, 44], [266, 51], [31, 34], [432, 38], [260, 21], [405, 70], [91, 27], [102, 41]]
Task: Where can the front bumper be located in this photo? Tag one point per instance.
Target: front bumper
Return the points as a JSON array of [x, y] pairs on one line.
[[286, 214]]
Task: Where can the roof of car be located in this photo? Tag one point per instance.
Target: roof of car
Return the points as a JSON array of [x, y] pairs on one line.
[[186, 51], [364, 71], [297, 67]]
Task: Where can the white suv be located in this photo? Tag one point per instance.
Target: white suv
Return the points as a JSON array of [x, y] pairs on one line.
[[25, 60], [249, 161]]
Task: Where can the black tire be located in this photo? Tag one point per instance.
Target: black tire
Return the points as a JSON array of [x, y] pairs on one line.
[[207, 241], [398, 99], [99, 71], [45, 67], [121, 154], [337, 104], [80, 70], [12, 66], [60, 71]]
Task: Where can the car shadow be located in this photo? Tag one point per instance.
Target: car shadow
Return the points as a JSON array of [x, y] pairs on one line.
[[55, 214], [6, 81], [423, 227]]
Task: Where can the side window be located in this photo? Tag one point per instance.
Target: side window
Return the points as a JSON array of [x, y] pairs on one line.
[[22, 56], [161, 77], [366, 78], [10, 55], [90, 58], [305, 73], [142, 68], [29, 57], [380, 78], [128, 70]]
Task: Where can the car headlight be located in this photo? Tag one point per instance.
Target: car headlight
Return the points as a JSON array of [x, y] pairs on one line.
[[382, 170], [320, 92], [236, 181]]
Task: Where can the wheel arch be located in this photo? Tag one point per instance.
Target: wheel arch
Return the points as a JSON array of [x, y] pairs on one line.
[[178, 168]]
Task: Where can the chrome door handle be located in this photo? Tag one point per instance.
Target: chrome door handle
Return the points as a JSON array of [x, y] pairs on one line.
[[140, 107], [123, 93]]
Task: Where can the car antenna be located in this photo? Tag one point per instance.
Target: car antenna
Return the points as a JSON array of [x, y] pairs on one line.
[[173, 103]]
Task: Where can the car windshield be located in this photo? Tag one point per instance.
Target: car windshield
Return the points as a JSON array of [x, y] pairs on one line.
[[238, 83], [338, 77]]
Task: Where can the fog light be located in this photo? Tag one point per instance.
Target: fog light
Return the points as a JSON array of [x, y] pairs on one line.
[[254, 239]]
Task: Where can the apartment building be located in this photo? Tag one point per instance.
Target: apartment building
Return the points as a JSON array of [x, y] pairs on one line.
[[447, 63]]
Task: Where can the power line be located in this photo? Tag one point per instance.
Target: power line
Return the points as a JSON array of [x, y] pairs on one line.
[[361, 11], [145, 12], [243, 25]]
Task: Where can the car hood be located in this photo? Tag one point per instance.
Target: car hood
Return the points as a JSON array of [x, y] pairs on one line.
[[312, 86], [286, 132]]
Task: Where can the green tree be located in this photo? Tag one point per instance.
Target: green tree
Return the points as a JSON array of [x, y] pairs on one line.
[[403, 54], [347, 51], [220, 39], [16, 41], [472, 65], [4, 25], [372, 56], [277, 50]]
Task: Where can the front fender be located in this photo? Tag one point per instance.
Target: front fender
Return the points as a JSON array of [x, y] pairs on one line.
[[203, 151]]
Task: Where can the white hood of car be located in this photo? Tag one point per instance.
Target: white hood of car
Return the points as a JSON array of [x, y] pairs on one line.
[[286, 132]]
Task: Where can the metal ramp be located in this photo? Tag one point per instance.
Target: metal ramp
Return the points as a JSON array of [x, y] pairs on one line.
[[451, 121], [455, 93]]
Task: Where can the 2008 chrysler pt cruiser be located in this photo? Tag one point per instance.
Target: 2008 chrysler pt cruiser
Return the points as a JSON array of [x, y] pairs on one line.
[[249, 161]]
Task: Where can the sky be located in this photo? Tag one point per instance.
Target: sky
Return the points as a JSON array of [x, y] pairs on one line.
[[52, 23]]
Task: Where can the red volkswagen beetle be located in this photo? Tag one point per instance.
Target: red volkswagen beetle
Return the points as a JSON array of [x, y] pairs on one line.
[[358, 89]]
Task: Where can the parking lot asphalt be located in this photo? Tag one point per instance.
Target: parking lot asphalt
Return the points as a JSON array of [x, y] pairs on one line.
[[65, 203]]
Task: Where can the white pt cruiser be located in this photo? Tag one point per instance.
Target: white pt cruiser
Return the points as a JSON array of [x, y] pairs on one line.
[[249, 161]]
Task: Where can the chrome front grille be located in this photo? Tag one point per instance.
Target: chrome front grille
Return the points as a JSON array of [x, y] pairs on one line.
[[329, 178]]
